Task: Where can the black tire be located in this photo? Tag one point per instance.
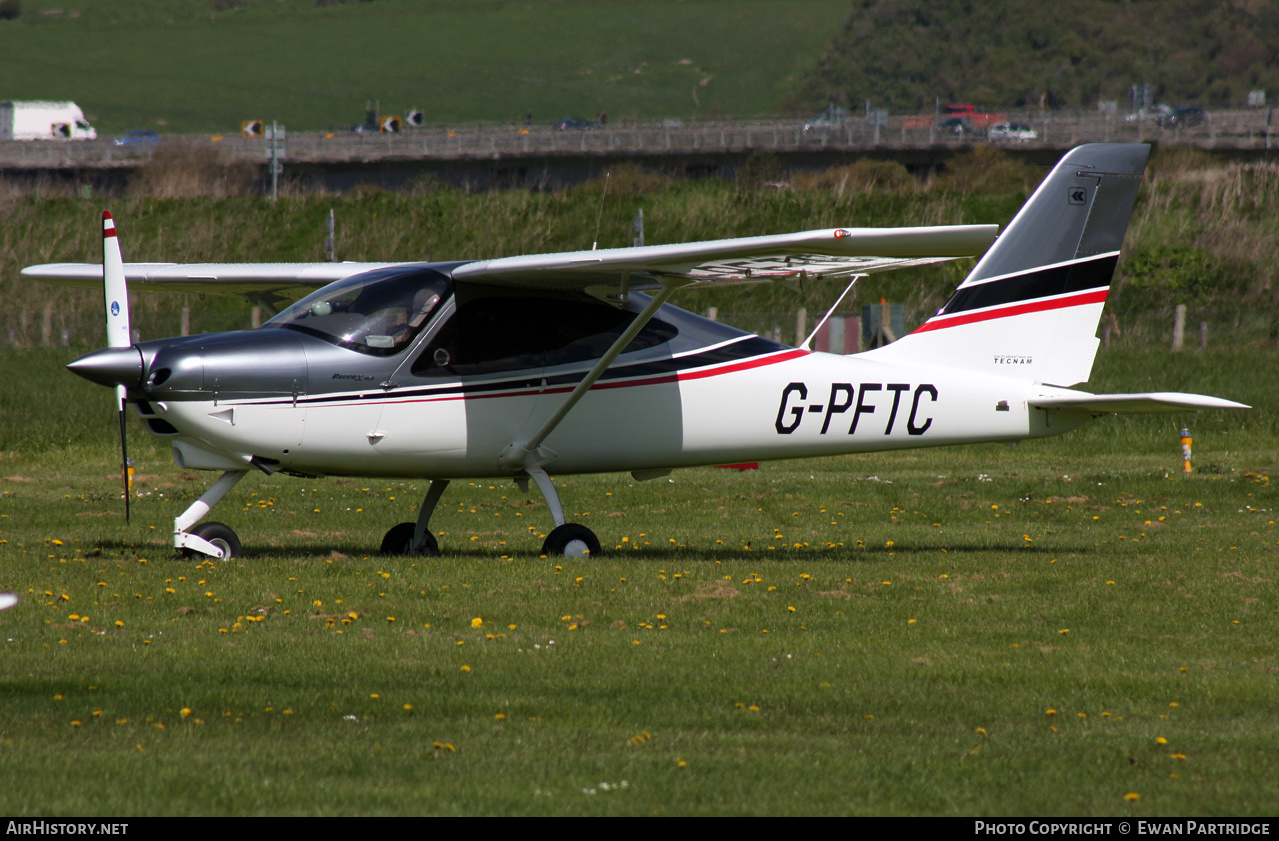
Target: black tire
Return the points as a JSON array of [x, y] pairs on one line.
[[571, 541], [399, 541], [220, 535]]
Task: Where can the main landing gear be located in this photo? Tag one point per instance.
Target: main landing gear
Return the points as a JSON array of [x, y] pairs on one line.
[[566, 540], [416, 538], [218, 541]]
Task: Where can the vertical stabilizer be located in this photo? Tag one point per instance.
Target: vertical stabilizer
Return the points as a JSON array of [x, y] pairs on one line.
[[1030, 307]]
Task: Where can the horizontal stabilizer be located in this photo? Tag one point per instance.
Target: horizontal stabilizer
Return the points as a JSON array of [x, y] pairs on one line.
[[1147, 403]]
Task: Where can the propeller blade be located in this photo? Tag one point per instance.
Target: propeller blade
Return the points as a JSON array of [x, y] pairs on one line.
[[124, 452], [114, 288], [116, 294]]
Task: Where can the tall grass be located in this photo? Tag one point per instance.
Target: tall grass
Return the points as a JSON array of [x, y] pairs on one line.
[[1203, 233]]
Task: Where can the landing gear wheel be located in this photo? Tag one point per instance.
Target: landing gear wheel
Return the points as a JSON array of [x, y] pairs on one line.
[[571, 541], [399, 541], [221, 536]]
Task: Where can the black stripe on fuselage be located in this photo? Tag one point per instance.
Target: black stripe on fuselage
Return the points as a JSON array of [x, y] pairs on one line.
[[1037, 283], [746, 348]]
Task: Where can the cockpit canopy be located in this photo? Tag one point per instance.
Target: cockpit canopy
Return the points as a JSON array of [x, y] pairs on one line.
[[378, 312]]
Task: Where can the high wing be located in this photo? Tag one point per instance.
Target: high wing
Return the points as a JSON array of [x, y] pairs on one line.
[[270, 284], [833, 252]]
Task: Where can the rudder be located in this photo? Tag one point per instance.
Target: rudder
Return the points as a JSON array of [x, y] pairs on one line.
[[1031, 306]]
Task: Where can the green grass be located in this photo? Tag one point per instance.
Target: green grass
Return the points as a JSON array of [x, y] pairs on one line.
[[1083, 575], [172, 64]]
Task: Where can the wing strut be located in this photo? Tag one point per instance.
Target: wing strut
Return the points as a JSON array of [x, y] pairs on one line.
[[808, 342], [521, 455]]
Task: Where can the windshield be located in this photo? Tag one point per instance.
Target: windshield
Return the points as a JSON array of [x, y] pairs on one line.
[[378, 312]]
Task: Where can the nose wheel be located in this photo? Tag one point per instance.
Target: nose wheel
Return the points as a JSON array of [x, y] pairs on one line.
[[214, 540], [220, 536]]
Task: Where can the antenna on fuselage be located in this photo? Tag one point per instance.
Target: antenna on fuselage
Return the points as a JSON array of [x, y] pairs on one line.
[[599, 217]]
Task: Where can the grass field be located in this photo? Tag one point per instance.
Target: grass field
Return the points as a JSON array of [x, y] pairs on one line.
[[1070, 628], [177, 66]]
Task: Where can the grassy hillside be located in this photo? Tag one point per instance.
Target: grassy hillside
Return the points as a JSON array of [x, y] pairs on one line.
[[904, 54], [184, 66]]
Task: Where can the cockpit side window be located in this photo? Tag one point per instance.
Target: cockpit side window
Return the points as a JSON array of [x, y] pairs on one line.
[[378, 312], [517, 332]]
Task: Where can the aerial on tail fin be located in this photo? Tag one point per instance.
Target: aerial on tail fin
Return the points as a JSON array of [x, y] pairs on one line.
[[1031, 306]]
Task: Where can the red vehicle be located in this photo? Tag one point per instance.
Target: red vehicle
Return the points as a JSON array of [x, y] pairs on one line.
[[974, 116]]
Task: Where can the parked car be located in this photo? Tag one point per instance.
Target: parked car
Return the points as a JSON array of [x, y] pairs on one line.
[[1154, 112], [138, 137], [955, 125], [1182, 116], [1011, 131], [833, 117], [574, 124]]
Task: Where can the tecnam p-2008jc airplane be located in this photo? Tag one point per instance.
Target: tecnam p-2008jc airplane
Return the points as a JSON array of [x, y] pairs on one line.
[[574, 363]]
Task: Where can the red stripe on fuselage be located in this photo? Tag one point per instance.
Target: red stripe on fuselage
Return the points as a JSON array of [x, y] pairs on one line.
[[1093, 297], [730, 368]]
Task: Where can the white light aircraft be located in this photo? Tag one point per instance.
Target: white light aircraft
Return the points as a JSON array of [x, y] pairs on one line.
[[522, 367]]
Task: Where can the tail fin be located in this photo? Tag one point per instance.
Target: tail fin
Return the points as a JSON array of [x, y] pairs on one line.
[[1030, 307]]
